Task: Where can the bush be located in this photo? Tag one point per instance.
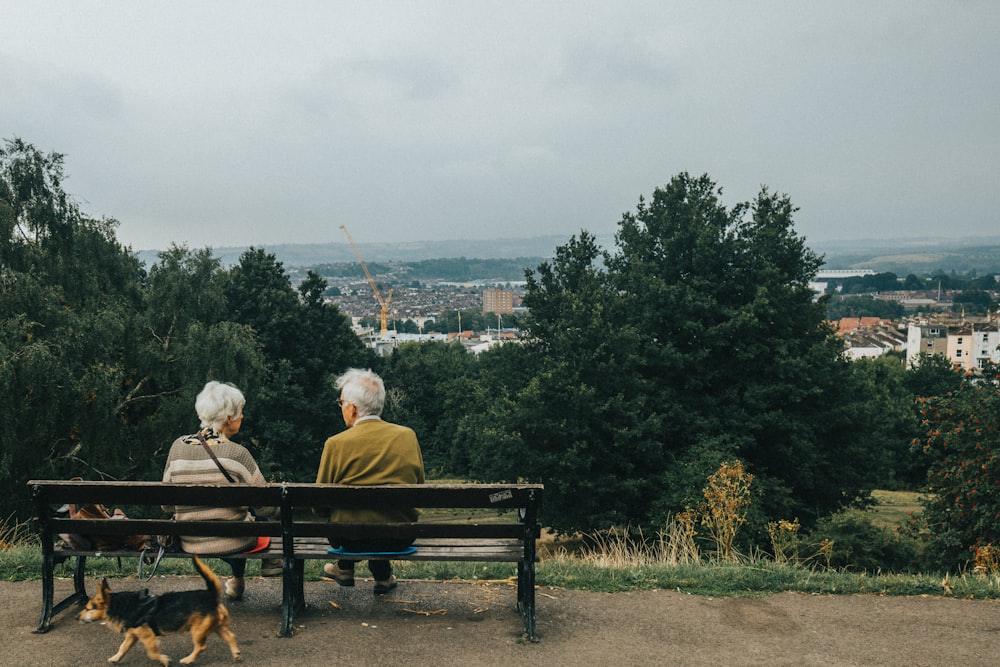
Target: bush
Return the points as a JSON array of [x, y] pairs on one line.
[[962, 444], [855, 543]]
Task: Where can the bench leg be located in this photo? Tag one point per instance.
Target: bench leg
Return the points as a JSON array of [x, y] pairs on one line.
[[48, 591], [79, 594], [526, 597], [293, 597]]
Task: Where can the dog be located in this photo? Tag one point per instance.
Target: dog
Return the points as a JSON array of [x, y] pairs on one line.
[[145, 617]]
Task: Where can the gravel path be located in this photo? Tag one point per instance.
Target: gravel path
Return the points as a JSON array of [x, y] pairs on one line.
[[467, 623]]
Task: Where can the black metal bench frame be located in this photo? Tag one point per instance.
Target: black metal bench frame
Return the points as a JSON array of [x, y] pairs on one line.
[[294, 538]]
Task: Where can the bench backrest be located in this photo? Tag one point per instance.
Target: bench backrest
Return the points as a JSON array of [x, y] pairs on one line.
[[295, 500]]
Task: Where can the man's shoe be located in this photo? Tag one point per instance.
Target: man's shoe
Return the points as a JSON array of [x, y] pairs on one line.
[[234, 588], [271, 567], [343, 577], [383, 587]]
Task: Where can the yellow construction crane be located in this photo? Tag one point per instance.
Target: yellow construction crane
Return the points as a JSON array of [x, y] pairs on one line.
[[383, 303]]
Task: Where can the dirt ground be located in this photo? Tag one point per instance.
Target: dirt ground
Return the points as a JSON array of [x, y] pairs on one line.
[[466, 623]]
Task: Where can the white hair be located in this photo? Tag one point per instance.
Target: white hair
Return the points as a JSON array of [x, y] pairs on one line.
[[218, 402], [364, 389]]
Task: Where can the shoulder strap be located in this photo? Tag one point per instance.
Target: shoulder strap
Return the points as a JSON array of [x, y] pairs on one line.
[[215, 458]]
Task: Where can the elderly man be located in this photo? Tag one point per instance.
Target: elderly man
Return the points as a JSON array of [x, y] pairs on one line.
[[370, 451]]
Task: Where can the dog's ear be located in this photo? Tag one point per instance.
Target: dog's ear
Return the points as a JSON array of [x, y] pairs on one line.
[[104, 588]]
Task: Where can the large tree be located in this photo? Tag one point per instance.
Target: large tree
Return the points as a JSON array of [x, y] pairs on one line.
[[67, 294], [696, 340]]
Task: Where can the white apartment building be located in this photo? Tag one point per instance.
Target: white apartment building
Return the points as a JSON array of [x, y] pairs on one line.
[[967, 346]]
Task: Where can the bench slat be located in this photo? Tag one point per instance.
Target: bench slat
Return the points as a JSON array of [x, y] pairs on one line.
[[508, 551]]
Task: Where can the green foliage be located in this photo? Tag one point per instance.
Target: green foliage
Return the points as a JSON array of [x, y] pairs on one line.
[[973, 301], [450, 269], [886, 421], [426, 390], [696, 339], [863, 306], [879, 282], [857, 544], [306, 342], [933, 375], [68, 294], [100, 361], [461, 269], [962, 444]]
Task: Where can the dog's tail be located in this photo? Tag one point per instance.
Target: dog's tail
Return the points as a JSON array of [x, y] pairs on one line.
[[212, 581]]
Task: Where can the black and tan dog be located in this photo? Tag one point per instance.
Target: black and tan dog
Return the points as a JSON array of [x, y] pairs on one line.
[[145, 617]]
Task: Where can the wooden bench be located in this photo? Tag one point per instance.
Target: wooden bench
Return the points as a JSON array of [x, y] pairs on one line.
[[507, 534]]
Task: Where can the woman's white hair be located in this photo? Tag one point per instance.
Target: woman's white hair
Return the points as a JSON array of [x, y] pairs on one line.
[[218, 402]]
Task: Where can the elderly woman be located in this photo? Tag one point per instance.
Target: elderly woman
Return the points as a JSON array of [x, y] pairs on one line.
[[220, 409]]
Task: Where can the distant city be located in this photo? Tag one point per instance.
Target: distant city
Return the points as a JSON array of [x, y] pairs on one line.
[[422, 300]]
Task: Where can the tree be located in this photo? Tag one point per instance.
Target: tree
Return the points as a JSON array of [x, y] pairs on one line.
[[932, 375], [68, 292], [973, 301], [879, 282], [695, 341], [100, 361], [180, 340], [306, 342], [962, 444], [863, 306], [425, 382]]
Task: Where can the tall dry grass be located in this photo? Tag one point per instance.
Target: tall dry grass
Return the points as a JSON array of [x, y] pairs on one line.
[[14, 533]]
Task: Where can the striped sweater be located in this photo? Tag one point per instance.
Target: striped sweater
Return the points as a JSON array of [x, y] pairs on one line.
[[189, 463]]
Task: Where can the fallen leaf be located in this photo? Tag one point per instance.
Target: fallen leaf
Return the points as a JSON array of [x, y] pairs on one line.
[[436, 612]]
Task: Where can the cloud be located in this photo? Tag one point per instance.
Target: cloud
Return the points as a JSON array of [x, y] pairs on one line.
[[208, 122]]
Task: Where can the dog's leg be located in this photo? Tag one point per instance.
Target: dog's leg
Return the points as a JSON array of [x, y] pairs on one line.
[[227, 635], [200, 630], [123, 649], [152, 644]]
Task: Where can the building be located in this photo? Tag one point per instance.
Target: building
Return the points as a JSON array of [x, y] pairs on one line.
[[869, 336], [925, 338], [972, 347], [969, 346], [498, 301]]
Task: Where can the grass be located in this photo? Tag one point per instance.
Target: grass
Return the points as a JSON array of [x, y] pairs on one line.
[[894, 508], [746, 579], [611, 565]]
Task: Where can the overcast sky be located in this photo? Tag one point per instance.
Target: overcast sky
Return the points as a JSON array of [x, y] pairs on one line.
[[231, 123]]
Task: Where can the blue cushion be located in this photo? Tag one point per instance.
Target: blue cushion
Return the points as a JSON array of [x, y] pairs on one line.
[[373, 554]]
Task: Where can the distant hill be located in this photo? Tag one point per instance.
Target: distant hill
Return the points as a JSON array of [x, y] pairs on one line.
[[900, 256], [924, 256], [312, 254]]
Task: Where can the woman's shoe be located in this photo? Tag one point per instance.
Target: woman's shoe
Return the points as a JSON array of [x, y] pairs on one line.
[[234, 588]]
